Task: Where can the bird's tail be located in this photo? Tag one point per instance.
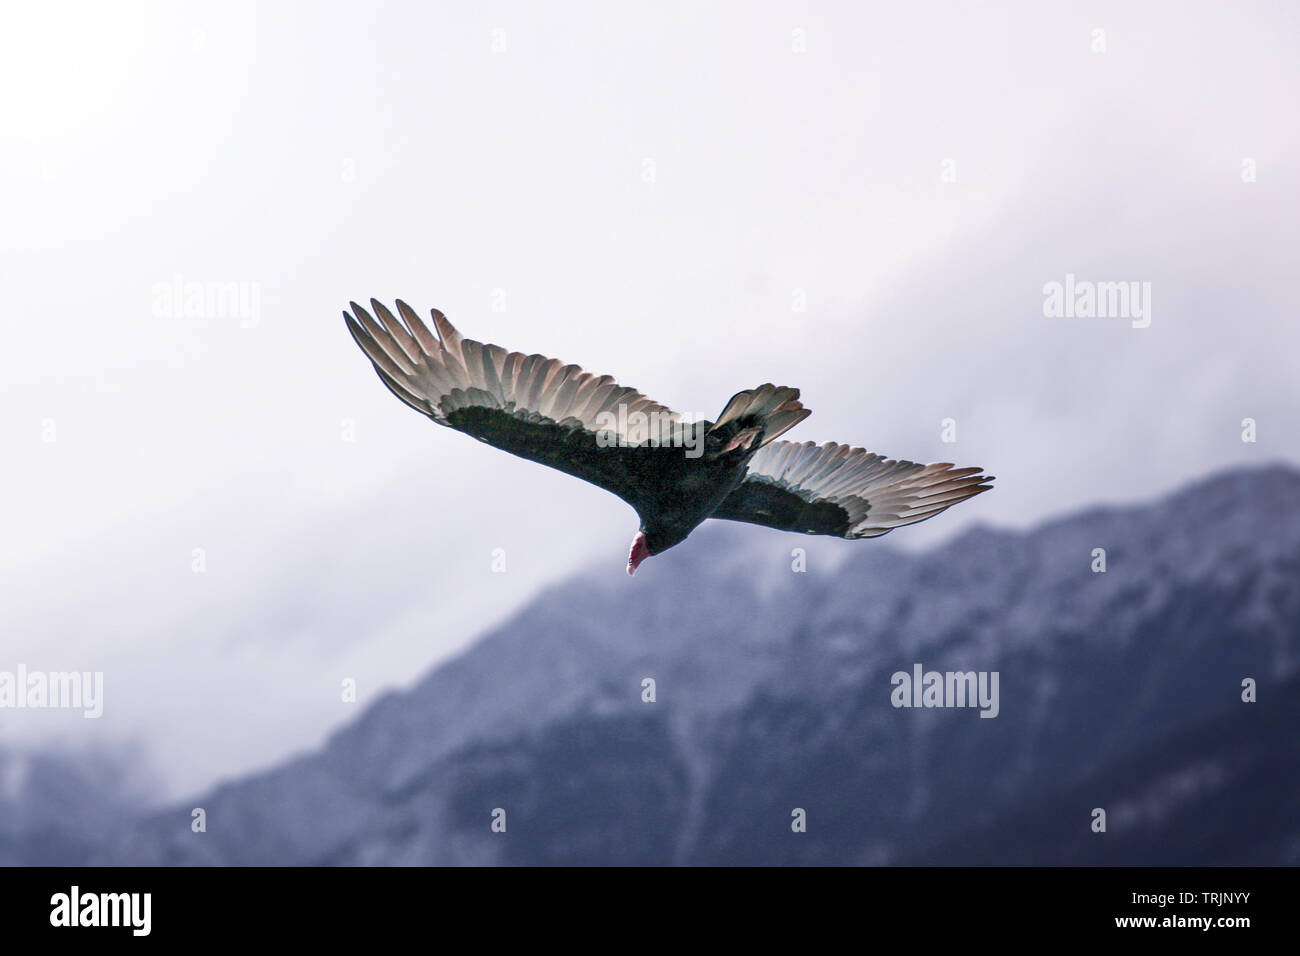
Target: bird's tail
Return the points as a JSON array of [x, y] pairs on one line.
[[755, 416]]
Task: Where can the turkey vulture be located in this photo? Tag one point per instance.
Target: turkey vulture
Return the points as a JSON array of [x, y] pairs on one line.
[[674, 473]]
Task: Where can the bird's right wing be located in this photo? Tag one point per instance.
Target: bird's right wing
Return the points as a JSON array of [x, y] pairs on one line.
[[847, 492], [529, 405]]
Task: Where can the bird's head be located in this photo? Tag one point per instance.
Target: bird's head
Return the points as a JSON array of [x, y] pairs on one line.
[[640, 551], [654, 538]]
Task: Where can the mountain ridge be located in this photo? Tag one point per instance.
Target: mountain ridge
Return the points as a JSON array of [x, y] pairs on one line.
[[772, 693]]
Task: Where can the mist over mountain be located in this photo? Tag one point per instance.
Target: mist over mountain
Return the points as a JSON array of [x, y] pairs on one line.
[[56, 808], [1120, 690]]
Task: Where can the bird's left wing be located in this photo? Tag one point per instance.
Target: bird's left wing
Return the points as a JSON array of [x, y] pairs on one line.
[[847, 492], [529, 405]]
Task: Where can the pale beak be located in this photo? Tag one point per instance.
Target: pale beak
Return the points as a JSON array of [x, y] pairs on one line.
[[638, 553]]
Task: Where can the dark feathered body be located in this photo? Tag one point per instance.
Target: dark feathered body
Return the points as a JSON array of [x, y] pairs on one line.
[[672, 492]]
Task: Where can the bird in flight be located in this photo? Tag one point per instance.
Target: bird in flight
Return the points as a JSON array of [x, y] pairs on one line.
[[675, 473]]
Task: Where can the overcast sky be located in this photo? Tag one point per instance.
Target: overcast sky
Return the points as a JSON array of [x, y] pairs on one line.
[[865, 201]]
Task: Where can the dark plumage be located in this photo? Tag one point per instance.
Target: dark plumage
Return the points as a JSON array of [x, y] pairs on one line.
[[675, 474]]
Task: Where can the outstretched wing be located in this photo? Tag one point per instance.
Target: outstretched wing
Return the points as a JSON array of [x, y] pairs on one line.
[[529, 405], [842, 491]]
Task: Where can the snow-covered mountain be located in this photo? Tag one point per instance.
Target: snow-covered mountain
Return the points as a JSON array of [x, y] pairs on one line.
[[1120, 690]]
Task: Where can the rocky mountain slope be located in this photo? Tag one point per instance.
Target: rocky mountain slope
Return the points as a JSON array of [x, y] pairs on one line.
[[1120, 690]]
